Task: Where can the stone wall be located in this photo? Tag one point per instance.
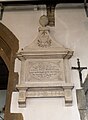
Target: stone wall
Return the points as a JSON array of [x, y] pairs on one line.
[[85, 86]]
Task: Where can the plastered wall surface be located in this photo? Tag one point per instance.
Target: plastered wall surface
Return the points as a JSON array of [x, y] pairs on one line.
[[45, 108], [71, 30]]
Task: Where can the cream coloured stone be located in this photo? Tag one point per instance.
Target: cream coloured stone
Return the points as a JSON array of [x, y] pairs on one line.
[[44, 69], [43, 20]]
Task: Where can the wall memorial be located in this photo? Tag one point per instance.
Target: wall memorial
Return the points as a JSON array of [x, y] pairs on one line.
[[44, 68]]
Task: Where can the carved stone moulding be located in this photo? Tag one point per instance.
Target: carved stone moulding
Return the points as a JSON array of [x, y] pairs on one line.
[[44, 69], [23, 55], [43, 75], [46, 90]]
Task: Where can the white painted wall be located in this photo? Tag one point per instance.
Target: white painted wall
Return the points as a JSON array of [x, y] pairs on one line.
[[46, 109], [71, 30]]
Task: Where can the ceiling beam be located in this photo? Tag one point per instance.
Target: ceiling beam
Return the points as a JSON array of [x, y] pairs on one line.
[[37, 2], [4, 3]]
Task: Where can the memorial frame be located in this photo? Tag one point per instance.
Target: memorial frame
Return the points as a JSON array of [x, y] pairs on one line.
[[44, 53]]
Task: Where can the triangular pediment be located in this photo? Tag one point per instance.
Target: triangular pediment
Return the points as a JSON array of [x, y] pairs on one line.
[[44, 44]]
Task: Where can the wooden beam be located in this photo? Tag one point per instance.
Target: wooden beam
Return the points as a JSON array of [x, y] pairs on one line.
[[35, 2]]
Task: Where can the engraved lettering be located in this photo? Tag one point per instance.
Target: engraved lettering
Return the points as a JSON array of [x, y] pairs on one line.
[[45, 70]]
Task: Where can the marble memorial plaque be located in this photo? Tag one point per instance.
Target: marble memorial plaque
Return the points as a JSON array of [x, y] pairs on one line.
[[44, 70]]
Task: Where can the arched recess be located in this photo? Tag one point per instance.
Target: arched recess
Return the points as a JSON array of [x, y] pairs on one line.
[[8, 47]]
